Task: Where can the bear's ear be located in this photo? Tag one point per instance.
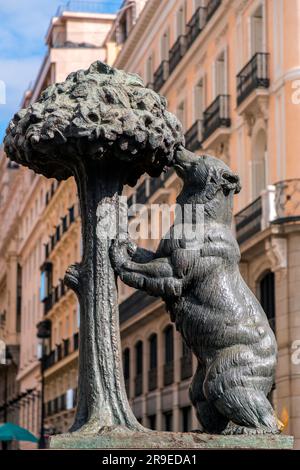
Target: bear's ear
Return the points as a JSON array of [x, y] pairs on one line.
[[231, 181]]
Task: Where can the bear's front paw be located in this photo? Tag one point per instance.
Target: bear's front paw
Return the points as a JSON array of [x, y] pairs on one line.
[[118, 254], [173, 287]]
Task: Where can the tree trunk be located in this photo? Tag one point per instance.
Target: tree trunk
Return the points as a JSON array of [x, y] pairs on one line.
[[102, 402]]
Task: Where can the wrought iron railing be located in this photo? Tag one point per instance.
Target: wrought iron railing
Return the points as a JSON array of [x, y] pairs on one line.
[[60, 229], [176, 52], [161, 75], [211, 7], [248, 221], [193, 137], [57, 292], [195, 25], [216, 115], [253, 75]]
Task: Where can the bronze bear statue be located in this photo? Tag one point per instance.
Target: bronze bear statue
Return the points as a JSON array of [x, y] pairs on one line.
[[218, 316]]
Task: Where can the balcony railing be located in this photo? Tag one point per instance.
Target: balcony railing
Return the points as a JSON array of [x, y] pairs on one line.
[[211, 7], [195, 25], [60, 229], [61, 351], [177, 52], [152, 379], [161, 75], [169, 373], [59, 404], [253, 75], [186, 366], [248, 221], [75, 341], [193, 137], [216, 115], [138, 389], [278, 204], [55, 295]]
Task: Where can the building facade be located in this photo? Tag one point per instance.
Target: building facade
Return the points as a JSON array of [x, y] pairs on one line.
[[229, 73]]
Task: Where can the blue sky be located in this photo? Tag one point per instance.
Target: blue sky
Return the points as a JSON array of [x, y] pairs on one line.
[[23, 25]]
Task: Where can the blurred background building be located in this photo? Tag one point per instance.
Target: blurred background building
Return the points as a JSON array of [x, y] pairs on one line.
[[228, 69]]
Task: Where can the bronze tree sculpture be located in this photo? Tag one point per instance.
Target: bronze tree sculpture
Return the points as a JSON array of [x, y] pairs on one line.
[[106, 129]]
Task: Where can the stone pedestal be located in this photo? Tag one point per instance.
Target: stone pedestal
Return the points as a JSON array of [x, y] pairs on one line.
[[168, 440]]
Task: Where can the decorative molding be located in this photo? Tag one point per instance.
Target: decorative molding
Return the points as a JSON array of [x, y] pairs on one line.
[[276, 250]]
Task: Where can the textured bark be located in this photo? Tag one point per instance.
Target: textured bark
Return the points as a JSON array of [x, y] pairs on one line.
[[102, 400]]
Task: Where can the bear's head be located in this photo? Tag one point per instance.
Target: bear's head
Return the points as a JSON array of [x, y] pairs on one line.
[[205, 172], [208, 179]]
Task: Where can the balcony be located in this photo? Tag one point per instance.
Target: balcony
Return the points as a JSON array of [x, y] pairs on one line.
[[61, 229], [252, 76], [54, 297], [177, 52], [211, 7], [193, 137], [138, 382], [216, 116], [195, 25], [168, 373], [161, 75], [186, 366], [278, 204], [75, 341], [152, 379], [248, 221]]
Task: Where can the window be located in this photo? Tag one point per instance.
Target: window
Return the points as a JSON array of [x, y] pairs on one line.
[[165, 45], [152, 421], [149, 69], [181, 20], [259, 167], [186, 418], [266, 295], [168, 421], [126, 363], [199, 99], [138, 368], [169, 344], [221, 75], [139, 358], [257, 31], [153, 351], [46, 281], [181, 114]]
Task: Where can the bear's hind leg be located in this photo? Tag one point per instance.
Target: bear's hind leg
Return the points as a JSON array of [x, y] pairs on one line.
[[249, 410], [211, 420]]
